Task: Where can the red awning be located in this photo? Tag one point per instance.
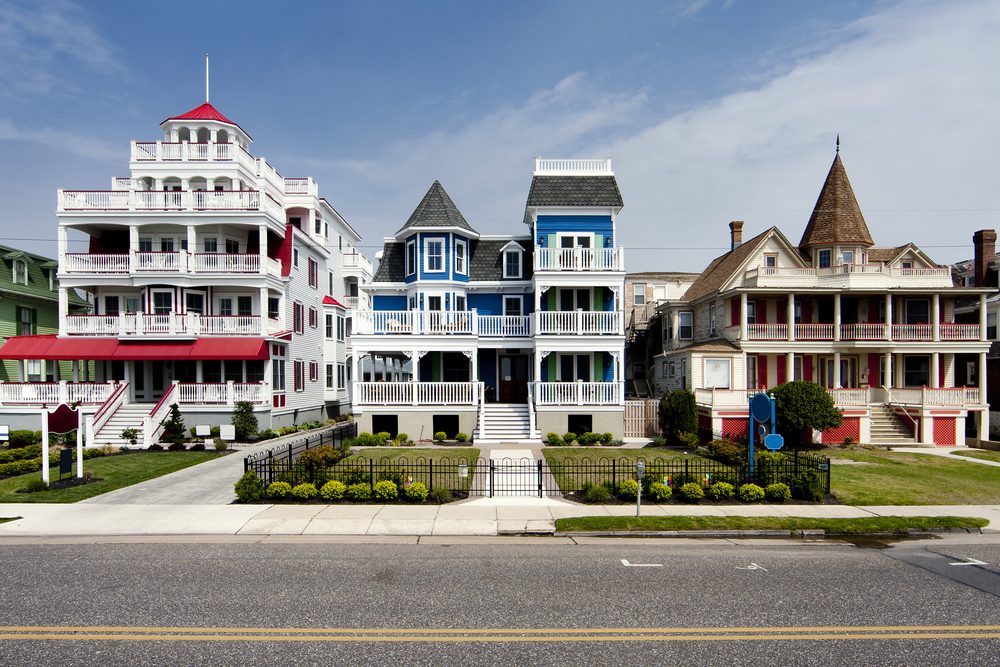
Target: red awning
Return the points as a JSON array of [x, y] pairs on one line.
[[330, 301], [52, 348]]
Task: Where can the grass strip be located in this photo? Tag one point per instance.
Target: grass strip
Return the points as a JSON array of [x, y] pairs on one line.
[[897, 525], [985, 454], [5, 519]]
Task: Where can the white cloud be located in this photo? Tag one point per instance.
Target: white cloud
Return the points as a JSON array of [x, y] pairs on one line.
[[62, 142]]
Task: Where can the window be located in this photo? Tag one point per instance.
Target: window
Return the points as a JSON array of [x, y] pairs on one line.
[[512, 305], [298, 317], [717, 373], [847, 257], [111, 306], [194, 302], [341, 327], [329, 327], [329, 376], [278, 367], [411, 257], [669, 325], [686, 328], [433, 255], [460, 302], [639, 294], [330, 276], [273, 307], [313, 371], [27, 319], [751, 312], [574, 299], [313, 273], [433, 302], [166, 244], [797, 308], [20, 272], [823, 259], [295, 257], [34, 370], [226, 306], [313, 318], [574, 367], [255, 370], [797, 371], [341, 376], [232, 247], [299, 378], [917, 311], [163, 303], [131, 304], [318, 226], [145, 244], [752, 370], [711, 318], [907, 264], [916, 371], [512, 264], [244, 306], [461, 248], [210, 244], [770, 261], [671, 369]]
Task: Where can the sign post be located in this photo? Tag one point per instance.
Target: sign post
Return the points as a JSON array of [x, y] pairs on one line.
[[763, 411]]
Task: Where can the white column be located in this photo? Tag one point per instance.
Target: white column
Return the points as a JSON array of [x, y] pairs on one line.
[[743, 318], [790, 318], [981, 377], [836, 317], [192, 240], [936, 316], [935, 369], [63, 308], [263, 311], [982, 317], [63, 235], [888, 320], [262, 248], [836, 370], [133, 239], [790, 367]]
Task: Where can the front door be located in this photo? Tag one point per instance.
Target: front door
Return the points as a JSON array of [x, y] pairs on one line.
[[149, 380], [513, 378]]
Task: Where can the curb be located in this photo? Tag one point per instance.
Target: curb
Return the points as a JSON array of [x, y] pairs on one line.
[[803, 533]]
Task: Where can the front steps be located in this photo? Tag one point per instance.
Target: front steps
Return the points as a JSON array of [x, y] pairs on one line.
[[888, 429], [506, 422], [126, 416]]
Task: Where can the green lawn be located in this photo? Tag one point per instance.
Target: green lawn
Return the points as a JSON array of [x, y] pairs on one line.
[[445, 469], [562, 460], [895, 478], [897, 525], [411, 454], [115, 472], [985, 454], [578, 454]]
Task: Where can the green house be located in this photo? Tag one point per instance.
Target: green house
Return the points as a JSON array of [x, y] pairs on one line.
[[29, 305]]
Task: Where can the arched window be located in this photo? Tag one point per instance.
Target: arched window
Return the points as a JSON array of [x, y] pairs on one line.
[[222, 137], [20, 272]]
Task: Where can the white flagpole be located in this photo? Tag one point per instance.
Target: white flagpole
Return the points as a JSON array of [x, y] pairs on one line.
[[206, 77]]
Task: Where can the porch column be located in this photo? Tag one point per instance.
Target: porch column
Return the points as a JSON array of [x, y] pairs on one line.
[[63, 308], [474, 361], [836, 324], [790, 368], [836, 370], [262, 248], [936, 317], [888, 371], [935, 369], [199, 371], [76, 370], [981, 377], [538, 366], [192, 241], [982, 317], [133, 245], [948, 380], [63, 236], [263, 311], [888, 320], [790, 318], [743, 318]]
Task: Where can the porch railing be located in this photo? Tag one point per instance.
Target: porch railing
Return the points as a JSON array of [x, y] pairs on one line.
[[54, 393], [169, 262], [504, 326], [579, 259], [152, 424], [813, 331], [221, 393], [582, 322], [100, 419], [417, 393], [579, 393], [151, 324]]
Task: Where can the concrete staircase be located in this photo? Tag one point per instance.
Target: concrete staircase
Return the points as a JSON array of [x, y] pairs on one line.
[[889, 429], [126, 416], [505, 422]]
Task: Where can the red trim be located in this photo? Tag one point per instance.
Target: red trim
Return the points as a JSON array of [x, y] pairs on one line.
[[165, 396], [330, 301], [50, 347], [118, 390], [206, 112]]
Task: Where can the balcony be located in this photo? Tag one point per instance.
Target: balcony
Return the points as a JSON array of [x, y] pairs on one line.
[[579, 393], [301, 186], [169, 262], [357, 265], [418, 393], [160, 200], [357, 302], [580, 322], [579, 259], [188, 151], [96, 393], [471, 323], [876, 276], [957, 397], [161, 325], [947, 331]]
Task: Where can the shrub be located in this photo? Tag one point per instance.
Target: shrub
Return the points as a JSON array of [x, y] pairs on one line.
[[220, 445], [751, 493], [279, 489], [440, 495], [249, 488], [304, 491], [197, 447], [323, 456], [131, 436], [34, 486], [721, 491], [595, 493], [678, 414], [21, 467], [659, 441], [358, 492], [27, 452], [689, 440], [659, 492], [402, 438], [155, 447], [587, 438], [802, 406], [417, 492], [173, 426], [607, 437], [386, 490], [244, 420], [366, 439], [778, 492], [807, 486], [333, 490], [691, 492], [440, 436], [392, 474], [725, 450], [23, 438], [267, 434], [569, 437], [628, 489], [382, 437], [214, 431], [553, 439], [177, 447], [461, 437]]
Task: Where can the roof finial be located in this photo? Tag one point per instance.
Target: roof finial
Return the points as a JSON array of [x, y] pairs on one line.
[[206, 78], [838, 143]]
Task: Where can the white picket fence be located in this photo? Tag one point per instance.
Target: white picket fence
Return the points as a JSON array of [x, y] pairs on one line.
[[641, 417]]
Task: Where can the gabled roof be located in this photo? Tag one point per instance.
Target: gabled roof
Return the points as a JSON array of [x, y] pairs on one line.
[[890, 255], [38, 279], [836, 218], [572, 191], [205, 112], [330, 301], [724, 267], [437, 209], [485, 260]]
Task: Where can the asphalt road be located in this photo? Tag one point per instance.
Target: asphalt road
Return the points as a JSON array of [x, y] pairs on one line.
[[496, 601]]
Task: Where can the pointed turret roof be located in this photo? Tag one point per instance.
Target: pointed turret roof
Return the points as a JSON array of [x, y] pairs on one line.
[[437, 209], [836, 218], [206, 111]]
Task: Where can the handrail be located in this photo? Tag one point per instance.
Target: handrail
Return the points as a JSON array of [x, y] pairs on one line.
[[152, 424], [481, 389], [105, 412], [891, 400], [531, 409]]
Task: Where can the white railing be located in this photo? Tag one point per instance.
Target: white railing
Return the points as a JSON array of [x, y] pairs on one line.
[[579, 393], [220, 262], [416, 393], [168, 262], [82, 262], [960, 331], [272, 266], [152, 424], [356, 302], [27, 393], [905, 332], [860, 275], [504, 325], [117, 398], [158, 200], [227, 325], [850, 397], [221, 393], [724, 397], [767, 332], [447, 393], [92, 325], [566, 322], [355, 260], [447, 322], [152, 151], [385, 322], [139, 324], [572, 167], [579, 259], [300, 186], [872, 331], [813, 331]]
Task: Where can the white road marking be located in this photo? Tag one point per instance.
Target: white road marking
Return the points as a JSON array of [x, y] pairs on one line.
[[969, 561], [752, 566], [628, 564]]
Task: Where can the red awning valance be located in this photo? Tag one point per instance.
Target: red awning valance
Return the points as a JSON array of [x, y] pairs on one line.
[[52, 348]]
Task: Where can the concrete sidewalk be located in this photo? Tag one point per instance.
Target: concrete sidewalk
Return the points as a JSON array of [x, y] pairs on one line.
[[484, 516]]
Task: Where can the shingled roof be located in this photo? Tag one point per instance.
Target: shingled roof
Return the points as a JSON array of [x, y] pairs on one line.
[[722, 267], [574, 191], [437, 209], [836, 218]]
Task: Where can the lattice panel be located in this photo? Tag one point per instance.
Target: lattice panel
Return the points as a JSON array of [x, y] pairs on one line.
[[944, 431], [850, 427]]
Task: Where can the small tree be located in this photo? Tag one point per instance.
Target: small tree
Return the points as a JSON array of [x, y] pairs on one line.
[[678, 414], [173, 427], [801, 407], [244, 420]]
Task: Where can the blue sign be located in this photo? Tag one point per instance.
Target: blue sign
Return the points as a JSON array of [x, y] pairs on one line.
[[774, 441], [760, 407]]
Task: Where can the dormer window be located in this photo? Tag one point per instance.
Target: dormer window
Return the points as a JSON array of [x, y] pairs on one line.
[[907, 264], [411, 257], [461, 253], [770, 261], [847, 257], [433, 255], [823, 258], [20, 272], [512, 266]]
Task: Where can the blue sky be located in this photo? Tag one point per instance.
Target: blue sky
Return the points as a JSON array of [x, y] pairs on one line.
[[712, 110]]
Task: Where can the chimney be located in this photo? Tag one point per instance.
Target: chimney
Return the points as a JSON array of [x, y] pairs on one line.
[[736, 234], [984, 241]]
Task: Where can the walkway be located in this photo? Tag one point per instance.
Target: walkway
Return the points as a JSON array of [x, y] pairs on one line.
[[948, 453]]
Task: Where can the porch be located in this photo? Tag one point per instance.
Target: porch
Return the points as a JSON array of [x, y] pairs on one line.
[[50, 394]]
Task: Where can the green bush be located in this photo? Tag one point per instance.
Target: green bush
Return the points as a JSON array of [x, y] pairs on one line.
[[34, 485], [21, 467], [678, 414], [596, 493], [689, 440], [244, 420], [23, 438], [691, 492], [721, 491], [607, 437], [366, 439], [249, 488], [587, 438], [628, 489], [659, 492], [381, 438], [461, 437], [417, 492], [751, 493], [659, 441], [808, 486], [131, 436], [386, 490], [333, 490], [402, 439], [440, 495], [569, 437], [278, 489], [173, 426], [440, 436], [394, 474], [726, 451], [801, 407], [553, 439], [21, 453], [267, 434], [304, 491], [358, 492], [220, 445], [778, 492]]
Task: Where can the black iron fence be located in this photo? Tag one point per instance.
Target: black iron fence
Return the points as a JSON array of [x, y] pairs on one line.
[[268, 462]]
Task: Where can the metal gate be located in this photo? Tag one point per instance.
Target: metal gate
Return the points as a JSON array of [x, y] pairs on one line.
[[497, 478]]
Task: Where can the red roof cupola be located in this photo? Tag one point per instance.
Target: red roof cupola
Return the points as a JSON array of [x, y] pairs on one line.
[[206, 111]]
